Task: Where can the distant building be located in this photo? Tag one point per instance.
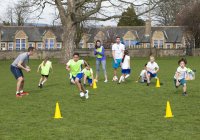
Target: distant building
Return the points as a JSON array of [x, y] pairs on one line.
[[20, 38], [50, 38]]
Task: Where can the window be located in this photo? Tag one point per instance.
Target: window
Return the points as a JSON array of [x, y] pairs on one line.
[[178, 46], [168, 46], [30, 45], [147, 45], [158, 43], [58, 45], [39, 46], [49, 44], [127, 43], [20, 44], [3, 46], [155, 43], [161, 43], [10, 46]]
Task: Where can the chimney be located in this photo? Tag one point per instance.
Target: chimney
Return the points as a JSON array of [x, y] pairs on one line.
[[148, 28]]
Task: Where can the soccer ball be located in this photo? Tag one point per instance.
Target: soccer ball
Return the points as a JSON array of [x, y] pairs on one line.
[[115, 78], [82, 94]]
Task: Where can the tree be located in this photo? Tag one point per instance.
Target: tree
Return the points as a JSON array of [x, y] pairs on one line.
[[166, 12], [19, 14], [189, 17], [129, 18], [73, 13]]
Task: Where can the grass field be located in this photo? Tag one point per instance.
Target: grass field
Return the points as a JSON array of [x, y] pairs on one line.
[[127, 111]]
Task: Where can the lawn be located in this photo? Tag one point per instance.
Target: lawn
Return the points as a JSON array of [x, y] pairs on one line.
[[127, 111]]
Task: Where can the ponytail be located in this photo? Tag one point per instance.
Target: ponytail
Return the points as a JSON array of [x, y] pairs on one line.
[[125, 53], [45, 61]]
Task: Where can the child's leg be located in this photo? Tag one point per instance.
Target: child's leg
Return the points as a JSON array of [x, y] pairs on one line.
[[45, 79], [184, 88], [148, 78], [122, 78], [127, 76], [84, 79], [40, 81]]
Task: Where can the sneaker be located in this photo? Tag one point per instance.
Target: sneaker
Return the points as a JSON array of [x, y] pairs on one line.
[[82, 94], [24, 93], [87, 94], [185, 94], [106, 81], [18, 95]]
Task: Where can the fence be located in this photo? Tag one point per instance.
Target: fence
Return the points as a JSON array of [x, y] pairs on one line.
[[89, 52]]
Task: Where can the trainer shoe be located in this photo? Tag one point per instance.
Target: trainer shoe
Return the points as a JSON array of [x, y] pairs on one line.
[[185, 94], [106, 81], [87, 94], [82, 94], [24, 93], [18, 95]]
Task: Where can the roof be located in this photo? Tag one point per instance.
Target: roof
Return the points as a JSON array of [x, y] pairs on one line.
[[172, 34], [34, 34]]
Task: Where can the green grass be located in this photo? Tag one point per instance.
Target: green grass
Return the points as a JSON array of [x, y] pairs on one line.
[[127, 111]]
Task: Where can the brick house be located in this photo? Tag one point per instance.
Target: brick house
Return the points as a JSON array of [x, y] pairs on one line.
[[50, 38], [20, 38]]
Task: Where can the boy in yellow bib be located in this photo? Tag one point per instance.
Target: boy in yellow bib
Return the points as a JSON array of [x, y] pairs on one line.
[[45, 67], [88, 75]]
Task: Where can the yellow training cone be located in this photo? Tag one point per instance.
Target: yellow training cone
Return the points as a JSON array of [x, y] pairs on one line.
[[57, 112], [168, 111], [94, 84], [157, 82]]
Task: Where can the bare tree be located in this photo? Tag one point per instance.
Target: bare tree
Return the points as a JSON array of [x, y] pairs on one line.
[[74, 12], [18, 14], [190, 18], [167, 10]]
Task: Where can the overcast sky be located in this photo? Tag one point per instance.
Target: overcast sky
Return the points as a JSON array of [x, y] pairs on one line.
[[48, 14]]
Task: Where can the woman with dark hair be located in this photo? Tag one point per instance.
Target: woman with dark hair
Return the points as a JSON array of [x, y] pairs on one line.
[[99, 51]]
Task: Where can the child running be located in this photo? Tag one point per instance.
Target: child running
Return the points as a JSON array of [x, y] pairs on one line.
[[143, 75], [180, 75], [88, 75], [45, 67], [152, 70], [125, 65], [74, 67]]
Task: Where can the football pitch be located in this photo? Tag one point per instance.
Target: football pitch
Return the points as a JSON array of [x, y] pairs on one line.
[[113, 112]]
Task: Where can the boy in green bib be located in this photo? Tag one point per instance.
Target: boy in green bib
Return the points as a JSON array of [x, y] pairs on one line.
[[74, 66], [88, 75], [45, 67]]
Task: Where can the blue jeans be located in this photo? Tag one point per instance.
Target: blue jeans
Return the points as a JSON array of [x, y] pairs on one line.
[[103, 63]]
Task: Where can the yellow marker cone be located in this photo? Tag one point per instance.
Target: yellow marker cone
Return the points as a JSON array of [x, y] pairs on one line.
[[94, 84], [158, 83], [57, 112], [168, 111]]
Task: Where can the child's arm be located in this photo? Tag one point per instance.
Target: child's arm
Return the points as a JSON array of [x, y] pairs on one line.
[[68, 68], [86, 63]]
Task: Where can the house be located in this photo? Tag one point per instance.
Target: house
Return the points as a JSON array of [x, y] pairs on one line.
[[50, 38], [20, 38], [165, 37]]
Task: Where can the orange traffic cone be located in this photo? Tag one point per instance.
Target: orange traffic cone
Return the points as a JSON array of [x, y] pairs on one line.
[[57, 112], [168, 111]]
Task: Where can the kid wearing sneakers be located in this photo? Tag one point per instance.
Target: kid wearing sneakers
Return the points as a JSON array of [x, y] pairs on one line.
[[152, 70], [180, 75], [45, 67], [74, 67], [143, 75], [88, 75], [125, 65]]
